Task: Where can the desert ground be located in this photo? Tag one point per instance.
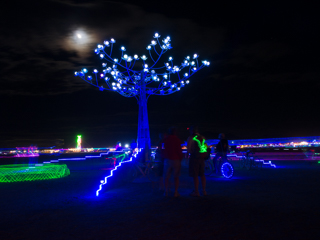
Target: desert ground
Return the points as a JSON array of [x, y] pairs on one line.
[[270, 203]]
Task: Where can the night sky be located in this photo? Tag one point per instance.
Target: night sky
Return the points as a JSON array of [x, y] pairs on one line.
[[263, 80]]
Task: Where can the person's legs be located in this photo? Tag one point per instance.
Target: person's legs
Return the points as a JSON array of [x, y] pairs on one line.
[[216, 157], [195, 173], [196, 184], [161, 183], [166, 186], [161, 179], [176, 186], [202, 175], [177, 170], [203, 183], [167, 173]]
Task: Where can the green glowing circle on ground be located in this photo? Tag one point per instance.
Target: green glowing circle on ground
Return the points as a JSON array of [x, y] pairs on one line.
[[25, 172]]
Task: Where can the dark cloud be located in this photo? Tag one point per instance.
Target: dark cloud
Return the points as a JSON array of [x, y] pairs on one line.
[[46, 53]]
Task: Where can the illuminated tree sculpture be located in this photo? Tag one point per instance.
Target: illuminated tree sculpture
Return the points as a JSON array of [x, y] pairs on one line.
[[121, 76]]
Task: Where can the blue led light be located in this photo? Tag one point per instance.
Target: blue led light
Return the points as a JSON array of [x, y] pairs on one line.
[[156, 35], [227, 170], [144, 57]]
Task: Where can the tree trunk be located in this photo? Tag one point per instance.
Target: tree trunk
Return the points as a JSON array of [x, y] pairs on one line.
[[143, 123]]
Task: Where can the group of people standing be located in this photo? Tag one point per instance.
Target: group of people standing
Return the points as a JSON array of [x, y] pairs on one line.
[[169, 151]]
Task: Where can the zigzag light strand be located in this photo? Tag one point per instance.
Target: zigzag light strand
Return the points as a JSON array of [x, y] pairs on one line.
[[103, 182], [266, 163], [260, 160]]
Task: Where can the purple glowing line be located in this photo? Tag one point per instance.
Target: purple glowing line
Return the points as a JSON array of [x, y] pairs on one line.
[[228, 155], [103, 182], [27, 155], [77, 159]]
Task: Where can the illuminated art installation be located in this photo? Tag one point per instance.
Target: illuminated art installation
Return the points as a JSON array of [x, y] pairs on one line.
[[122, 156], [79, 142], [103, 182], [23, 172], [121, 77], [31, 151]]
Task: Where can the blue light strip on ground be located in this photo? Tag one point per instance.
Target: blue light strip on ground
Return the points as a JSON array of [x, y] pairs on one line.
[[103, 182], [266, 163], [260, 160], [77, 159]]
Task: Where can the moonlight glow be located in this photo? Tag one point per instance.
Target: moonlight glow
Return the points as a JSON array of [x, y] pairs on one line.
[[81, 40], [81, 37]]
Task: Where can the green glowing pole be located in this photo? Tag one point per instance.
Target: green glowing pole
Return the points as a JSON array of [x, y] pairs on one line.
[[79, 142]]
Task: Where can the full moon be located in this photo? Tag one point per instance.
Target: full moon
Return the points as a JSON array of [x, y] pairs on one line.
[[81, 40], [81, 36]]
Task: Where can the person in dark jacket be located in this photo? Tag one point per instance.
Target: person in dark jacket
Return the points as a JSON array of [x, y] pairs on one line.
[[221, 150]]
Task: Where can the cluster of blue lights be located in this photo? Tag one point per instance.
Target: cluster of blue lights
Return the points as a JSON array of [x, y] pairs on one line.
[[126, 81]]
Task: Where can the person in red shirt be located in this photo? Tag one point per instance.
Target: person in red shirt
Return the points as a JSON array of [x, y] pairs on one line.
[[172, 162]]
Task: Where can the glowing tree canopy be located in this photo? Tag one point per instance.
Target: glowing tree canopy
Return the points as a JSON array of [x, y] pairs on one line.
[[120, 75]]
